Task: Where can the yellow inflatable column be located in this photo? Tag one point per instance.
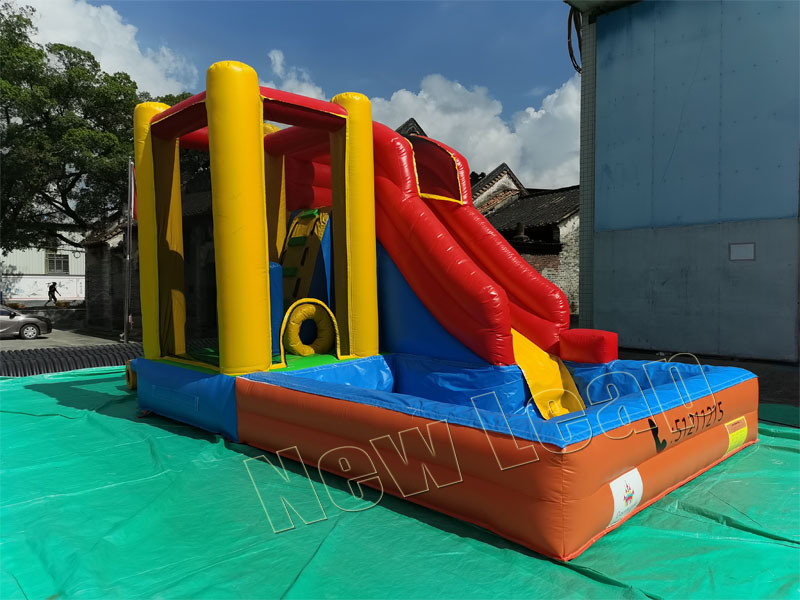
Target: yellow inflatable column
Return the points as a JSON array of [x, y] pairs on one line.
[[236, 149], [146, 216], [169, 232], [354, 228], [276, 206]]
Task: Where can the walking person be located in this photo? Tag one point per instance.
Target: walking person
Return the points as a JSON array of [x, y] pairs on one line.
[[51, 293]]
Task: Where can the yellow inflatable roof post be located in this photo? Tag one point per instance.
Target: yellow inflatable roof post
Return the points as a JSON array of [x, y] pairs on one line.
[[236, 151], [276, 205], [160, 219], [355, 263], [276, 200], [169, 223], [146, 214], [269, 128]]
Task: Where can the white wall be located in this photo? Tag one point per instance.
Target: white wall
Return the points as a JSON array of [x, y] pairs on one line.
[[562, 268], [33, 261], [24, 275], [34, 287]]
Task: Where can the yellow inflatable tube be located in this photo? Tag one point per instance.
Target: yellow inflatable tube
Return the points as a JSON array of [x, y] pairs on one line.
[[326, 333]]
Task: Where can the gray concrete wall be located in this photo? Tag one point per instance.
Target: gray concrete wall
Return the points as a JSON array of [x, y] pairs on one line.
[[586, 244], [675, 289], [697, 116], [99, 273], [696, 147]]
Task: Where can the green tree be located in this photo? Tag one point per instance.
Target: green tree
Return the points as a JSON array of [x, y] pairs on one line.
[[66, 133], [194, 163], [65, 138]]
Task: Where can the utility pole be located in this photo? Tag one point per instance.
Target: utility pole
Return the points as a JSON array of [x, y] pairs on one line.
[[128, 245]]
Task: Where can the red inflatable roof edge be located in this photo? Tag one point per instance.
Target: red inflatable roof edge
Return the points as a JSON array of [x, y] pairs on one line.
[[188, 120]]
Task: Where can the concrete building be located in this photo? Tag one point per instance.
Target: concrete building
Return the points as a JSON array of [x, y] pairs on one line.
[[690, 132], [542, 225]]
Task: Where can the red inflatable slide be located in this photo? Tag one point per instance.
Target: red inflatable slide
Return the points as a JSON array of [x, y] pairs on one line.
[[466, 274], [470, 278]]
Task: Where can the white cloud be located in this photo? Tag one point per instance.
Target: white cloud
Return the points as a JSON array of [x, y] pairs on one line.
[[101, 31], [293, 79], [276, 59], [539, 90], [468, 120], [541, 146], [550, 138]]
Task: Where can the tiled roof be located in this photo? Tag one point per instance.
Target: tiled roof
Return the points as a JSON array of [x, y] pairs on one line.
[[487, 182], [411, 127], [497, 199], [536, 208]]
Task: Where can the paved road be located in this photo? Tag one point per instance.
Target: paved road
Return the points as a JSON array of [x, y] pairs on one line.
[[57, 339], [38, 303]]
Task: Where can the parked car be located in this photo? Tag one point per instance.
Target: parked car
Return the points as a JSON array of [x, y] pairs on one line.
[[28, 327]]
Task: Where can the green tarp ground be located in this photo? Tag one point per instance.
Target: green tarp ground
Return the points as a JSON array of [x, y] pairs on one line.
[[99, 503]]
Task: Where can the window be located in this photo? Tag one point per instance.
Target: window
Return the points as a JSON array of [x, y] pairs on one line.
[[746, 251], [437, 171], [57, 263]]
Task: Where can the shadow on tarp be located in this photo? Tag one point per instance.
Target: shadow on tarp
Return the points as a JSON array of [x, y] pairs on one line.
[[75, 394], [779, 414], [708, 510], [78, 394]]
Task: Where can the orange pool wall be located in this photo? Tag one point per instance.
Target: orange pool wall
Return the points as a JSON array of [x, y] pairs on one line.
[[556, 502]]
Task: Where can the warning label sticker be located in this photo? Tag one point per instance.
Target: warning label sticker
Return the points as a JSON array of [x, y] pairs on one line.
[[737, 433], [627, 493]]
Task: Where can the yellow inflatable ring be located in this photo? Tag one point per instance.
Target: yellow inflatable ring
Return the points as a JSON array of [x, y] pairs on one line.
[[130, 376], [325, 332]]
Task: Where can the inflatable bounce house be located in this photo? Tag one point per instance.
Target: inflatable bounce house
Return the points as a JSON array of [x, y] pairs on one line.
[[374, 325]]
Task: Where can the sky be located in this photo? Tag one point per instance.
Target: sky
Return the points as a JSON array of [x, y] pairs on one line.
[[492, 79]]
